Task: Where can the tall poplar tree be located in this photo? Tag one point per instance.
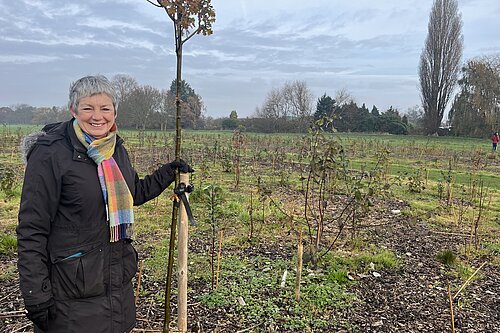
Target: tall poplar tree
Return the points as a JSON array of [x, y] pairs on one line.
[[440, 61]]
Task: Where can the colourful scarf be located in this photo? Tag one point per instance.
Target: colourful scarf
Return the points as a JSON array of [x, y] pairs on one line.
[[117, 197]]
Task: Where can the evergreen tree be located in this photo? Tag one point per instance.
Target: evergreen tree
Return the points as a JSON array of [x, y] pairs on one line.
[[324, 107]]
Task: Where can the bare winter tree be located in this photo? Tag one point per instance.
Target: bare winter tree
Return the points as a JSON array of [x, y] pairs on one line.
[[290, 103], [300, 99], [440, 61], [273, 107], [343, 96], [124, 85], [139, 106]]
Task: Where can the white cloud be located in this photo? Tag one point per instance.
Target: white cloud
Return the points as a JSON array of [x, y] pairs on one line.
[[104, 23], [27, 59], [53, 10]]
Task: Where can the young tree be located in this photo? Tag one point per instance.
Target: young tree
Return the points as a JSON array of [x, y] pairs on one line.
[[440, 61], [189, 17]]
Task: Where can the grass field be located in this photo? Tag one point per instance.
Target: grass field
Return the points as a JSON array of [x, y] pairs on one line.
[[250, 190]]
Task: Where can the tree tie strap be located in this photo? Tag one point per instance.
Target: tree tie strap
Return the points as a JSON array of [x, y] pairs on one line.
[[180, 195]]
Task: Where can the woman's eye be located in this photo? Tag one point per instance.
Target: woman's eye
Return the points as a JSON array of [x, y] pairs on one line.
[[106, 110]]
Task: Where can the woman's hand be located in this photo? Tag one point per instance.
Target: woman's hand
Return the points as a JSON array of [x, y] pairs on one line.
[[181, 166], [41, 313]]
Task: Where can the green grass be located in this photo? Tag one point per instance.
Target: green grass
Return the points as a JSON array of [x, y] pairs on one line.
[[8, 244], [447, 258]]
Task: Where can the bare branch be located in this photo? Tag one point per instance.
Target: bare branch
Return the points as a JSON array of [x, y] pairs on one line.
[[191, 35], [154, 4]]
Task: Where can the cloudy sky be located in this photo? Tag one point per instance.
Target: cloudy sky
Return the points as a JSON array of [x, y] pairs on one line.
[[371, 48]]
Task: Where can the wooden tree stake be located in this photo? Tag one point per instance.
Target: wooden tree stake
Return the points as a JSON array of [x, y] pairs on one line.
[[218, 262], [182, 262], [300, 251]]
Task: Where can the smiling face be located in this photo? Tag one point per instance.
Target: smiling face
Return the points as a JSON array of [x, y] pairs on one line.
[[95, 115]]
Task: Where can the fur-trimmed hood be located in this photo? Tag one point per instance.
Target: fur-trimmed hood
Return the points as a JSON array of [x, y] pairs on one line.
[[27, 144], [29, 141]]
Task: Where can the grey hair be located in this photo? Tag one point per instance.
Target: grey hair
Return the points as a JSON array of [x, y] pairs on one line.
[[88, 86]]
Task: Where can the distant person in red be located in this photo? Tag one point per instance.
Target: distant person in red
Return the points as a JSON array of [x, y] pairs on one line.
[[495, 138]]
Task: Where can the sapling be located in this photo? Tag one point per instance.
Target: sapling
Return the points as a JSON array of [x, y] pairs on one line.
[[213, 198], [189, 18], [238, 142]]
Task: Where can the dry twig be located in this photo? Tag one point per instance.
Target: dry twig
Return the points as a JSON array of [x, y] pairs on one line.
[[451, 310], [138, 282], [468, 280]]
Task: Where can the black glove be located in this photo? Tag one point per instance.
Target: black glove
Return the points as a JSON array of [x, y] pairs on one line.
[[41, 313], [181, 166]]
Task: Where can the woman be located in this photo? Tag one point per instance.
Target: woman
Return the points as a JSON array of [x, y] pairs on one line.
[[76, 260]]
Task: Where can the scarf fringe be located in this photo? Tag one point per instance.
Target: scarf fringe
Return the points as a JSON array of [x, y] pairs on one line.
[[121, 231]]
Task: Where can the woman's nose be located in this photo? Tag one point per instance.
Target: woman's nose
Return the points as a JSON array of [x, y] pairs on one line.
[[97, 114]]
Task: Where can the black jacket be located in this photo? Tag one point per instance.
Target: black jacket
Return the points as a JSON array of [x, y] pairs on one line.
[[63, 237]]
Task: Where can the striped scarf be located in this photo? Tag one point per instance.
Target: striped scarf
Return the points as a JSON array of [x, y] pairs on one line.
[[117, 197]]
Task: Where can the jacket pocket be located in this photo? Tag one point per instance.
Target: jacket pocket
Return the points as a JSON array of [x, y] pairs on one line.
[[78, 273], [130, 259]]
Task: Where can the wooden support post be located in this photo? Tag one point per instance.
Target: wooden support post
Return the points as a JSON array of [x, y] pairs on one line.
[[182, 262], [298, 278], [218, 262]]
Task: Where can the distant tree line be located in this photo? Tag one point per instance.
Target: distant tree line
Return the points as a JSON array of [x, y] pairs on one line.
[[289, 108], [27, 114], [475, 110]]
